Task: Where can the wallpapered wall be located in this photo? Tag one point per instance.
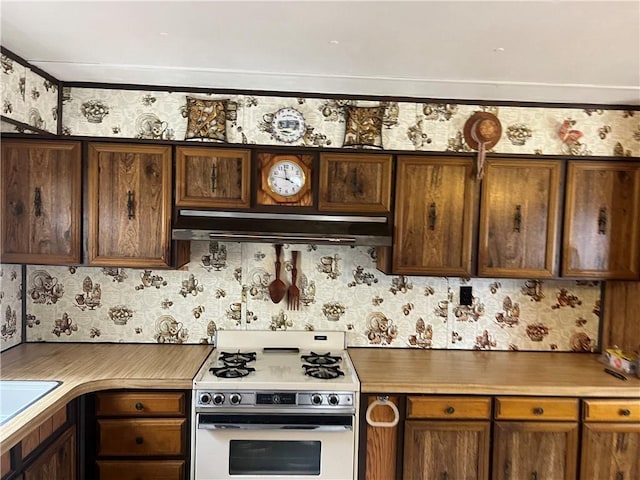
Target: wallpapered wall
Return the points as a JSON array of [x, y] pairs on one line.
[[225, 286], [27, 97], [412, 126], [10, 305]]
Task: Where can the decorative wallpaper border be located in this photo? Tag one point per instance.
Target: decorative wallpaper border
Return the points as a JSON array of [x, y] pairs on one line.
[[318, 122]]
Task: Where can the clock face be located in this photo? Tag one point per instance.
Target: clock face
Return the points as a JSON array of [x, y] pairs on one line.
[[286, 178]]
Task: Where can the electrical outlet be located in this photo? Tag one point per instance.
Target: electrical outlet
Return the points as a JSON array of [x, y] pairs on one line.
[[466, 296]]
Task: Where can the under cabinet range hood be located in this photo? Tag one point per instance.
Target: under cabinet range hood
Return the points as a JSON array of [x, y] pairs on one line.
[[282, 227]]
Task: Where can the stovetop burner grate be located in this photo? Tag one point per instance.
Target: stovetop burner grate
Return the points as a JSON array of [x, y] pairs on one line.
[[324, 372], [321, 359], [232, 371]]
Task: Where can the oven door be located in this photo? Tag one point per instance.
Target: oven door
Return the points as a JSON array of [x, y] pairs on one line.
[[274, 446]]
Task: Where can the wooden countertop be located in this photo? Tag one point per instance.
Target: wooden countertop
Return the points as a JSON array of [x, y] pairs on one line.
[[396, 370], [84, 368]]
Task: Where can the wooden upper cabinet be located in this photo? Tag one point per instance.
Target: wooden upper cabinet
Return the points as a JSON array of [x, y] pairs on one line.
[[355, 183], [41, 202], [213, 177], [435, 216], [129, 200], [519, 219], [602, 220]]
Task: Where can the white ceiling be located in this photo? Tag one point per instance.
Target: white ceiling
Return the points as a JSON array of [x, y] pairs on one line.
[[545, 51]]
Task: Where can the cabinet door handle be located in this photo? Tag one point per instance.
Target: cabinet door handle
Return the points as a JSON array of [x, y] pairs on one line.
[[139, 406], [602, 221], [517, 219], [534, 475], [139, 440], [538, 411], [356, 187], [444, 476], [37, 202], [433, 216], [214, 177], [131, 209], [450, 410]]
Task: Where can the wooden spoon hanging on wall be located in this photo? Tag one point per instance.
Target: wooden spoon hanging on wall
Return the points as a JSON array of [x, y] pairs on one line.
[[277, 288]]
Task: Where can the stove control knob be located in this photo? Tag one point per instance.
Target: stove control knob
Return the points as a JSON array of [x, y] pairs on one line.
[[316, 399], [205, 398], [334, 399], [218, 398], [235, 399]]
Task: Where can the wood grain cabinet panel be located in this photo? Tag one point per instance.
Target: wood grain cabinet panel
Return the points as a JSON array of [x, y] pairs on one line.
[[355, 183], [446, 450], [535, 450], [57, 462], [136, 437], [41, 202], [129, 199], [447, 407], [611, 410], [519, 219], [141, 470], [537, 408], [213, 177], [140, 404], [610, 451], [382, 443], [602, 220], [434, 216]]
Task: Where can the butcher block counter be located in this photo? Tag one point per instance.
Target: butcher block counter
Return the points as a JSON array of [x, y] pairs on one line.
[[399, 370], [85, 368]]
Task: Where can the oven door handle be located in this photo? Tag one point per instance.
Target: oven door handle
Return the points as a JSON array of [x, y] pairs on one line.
[[245, 426]]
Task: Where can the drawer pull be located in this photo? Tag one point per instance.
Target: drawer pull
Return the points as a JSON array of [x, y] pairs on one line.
[[625, 412], [139, 440], [139, 406], [449, 410], [538, 411]]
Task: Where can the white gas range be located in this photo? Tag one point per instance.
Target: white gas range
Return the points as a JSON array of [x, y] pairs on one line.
[[276, 405]]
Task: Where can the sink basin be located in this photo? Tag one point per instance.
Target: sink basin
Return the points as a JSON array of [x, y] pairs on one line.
[[16, 395]]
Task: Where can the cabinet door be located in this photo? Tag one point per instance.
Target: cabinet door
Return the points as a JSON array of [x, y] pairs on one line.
[[535, 450], [434, 216], [129, 205], [602, 221], [213, 177], [41, 202], [355, 183], [519, 219], [382, 443], [58, 462], [610, 451], [446, 450]]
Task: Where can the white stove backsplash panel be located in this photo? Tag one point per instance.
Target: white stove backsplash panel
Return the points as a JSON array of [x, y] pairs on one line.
[[10, 306], [225, 286]]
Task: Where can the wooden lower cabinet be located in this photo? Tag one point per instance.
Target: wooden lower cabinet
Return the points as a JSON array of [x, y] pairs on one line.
[[446, 450], [535, 450], [383, 448], [610, 440], [141, 435], [137, 469], [57, 462]]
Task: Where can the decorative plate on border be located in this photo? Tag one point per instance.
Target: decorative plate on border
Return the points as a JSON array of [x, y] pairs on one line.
[[288, 125]]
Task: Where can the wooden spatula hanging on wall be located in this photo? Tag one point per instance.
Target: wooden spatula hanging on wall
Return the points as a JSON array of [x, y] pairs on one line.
[[277, 288]]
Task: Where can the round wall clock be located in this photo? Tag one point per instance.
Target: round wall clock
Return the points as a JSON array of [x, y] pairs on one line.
[[288, 125], [286, 177]]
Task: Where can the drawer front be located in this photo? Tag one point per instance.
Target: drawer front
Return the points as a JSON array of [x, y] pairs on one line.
[[622, 410], [532, 408], [141, 470], [449, 407], [144, 437], [140, 404]]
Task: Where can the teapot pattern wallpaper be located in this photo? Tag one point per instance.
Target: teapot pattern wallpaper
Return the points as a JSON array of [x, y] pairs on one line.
[[225, 286]]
